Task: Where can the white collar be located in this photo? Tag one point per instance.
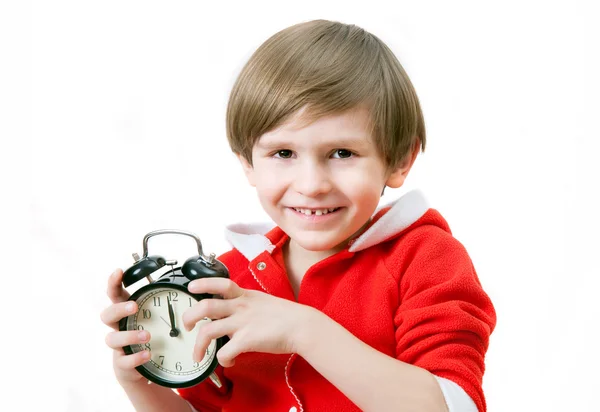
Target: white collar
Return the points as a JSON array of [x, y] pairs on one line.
[[251, 241]]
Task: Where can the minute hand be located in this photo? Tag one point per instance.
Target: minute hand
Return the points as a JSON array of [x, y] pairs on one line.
[[174, 332]]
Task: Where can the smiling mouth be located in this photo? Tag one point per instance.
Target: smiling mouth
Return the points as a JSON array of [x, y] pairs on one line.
[[316, 212]]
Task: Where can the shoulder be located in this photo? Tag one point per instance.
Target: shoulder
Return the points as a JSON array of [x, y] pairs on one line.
[[430, 236], [427, 254]]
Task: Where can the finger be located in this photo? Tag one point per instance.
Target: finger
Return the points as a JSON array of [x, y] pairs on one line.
[[132, 361], [208, 332], [114, 313], [216, 286], [117, 340], [227, 354], [206, 308], [115, 290]]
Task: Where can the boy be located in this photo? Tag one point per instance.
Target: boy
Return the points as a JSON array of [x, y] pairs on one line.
[[339, 307]]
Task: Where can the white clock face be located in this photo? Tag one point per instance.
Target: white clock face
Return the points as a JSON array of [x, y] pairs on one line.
[[171, 346]]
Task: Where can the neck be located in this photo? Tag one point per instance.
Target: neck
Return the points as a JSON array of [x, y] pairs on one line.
[[298, 260]]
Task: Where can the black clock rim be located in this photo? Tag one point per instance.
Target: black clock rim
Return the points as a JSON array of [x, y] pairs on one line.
[[141, 369]]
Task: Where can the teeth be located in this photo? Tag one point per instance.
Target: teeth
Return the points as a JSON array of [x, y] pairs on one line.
[[317, 212]]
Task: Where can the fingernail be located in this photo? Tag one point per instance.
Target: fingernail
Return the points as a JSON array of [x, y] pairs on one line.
[[130, 307], [146, 354], [143, 336]]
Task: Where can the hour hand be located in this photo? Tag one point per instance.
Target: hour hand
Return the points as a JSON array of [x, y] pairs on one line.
[[174, 332]]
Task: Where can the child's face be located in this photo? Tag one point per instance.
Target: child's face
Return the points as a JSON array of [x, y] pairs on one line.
[[320, 183]]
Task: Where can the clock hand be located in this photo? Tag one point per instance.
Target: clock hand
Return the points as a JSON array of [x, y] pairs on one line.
[[174, 332], [168, 324]]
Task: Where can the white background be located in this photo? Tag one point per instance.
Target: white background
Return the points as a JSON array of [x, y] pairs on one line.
[[117, 110]]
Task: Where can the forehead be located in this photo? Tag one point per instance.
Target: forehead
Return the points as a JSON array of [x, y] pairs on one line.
[[348, 127]]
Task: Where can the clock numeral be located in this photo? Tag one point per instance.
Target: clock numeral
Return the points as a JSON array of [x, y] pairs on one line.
[[147, 345], [156, 300], [190, 302], [162, 360], [173, 296], [140, 327], [196, 364], [178, 366], [146, 313]]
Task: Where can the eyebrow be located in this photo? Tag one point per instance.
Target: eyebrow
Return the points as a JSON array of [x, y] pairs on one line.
[[340, 142]]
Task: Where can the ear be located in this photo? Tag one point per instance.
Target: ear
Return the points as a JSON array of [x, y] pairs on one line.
[[398, 175], [248, 169]]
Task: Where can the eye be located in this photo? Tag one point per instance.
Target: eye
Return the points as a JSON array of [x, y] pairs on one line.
[[342, 154], [284, 154]]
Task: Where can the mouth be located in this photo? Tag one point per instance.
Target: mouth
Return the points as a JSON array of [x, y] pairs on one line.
[[316, 212]]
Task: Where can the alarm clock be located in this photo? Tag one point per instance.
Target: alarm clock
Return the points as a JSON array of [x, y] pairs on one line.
[[161, 304]]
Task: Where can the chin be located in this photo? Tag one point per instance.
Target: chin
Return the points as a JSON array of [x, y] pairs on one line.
[[313, 244]]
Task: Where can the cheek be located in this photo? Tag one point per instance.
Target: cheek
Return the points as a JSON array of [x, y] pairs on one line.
[[362, 186], [367, 199], [270, 187]]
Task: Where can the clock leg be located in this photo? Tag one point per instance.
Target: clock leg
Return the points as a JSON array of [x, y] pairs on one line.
[[215, 379]]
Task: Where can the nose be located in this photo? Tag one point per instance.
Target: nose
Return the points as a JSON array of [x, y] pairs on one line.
[[312, 179]]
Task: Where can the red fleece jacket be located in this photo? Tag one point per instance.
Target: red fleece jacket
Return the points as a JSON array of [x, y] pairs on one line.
[[414, 296]]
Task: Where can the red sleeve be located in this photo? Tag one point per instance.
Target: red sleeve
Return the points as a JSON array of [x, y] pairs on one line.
[[205, 396], [445, 319]]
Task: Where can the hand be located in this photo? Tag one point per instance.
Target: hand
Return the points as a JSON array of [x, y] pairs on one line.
[[123, 365], [254, 321], [174, 332]]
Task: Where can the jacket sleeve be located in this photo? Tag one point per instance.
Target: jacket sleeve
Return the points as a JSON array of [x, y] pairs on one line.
[[444, 319], [206, 397]]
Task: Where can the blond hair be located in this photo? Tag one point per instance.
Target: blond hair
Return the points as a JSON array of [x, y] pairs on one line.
[[327, 68]]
